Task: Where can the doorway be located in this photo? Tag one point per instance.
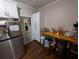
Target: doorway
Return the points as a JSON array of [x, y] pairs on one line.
[[26, 28]]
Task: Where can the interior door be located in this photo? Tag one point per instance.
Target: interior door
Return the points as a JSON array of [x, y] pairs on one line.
[[2, 9], [35, 26], [11, 9]]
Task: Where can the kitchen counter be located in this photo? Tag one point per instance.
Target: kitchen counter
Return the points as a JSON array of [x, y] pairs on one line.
[[60, 37]]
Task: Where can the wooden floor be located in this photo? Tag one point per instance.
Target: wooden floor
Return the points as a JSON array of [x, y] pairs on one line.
[[34, 50]]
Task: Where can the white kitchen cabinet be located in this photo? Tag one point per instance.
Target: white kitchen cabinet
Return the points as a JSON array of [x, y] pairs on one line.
[[11, 9], [8, 9], [2, 9]]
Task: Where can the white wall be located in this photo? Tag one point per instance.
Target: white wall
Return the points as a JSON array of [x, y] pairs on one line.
[[61, 13], [25, 10]]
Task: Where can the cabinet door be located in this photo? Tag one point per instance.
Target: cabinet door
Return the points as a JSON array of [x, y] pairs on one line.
[[11, 9], [2, 9]]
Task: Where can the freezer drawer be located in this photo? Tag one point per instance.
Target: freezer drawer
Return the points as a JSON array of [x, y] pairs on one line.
[[5, 50], [12, 49], [18, 47]]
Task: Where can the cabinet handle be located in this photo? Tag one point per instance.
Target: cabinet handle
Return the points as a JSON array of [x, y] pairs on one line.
[[5, 13]]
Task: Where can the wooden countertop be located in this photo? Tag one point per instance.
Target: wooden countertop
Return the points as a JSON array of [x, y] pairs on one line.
[[60, 37]]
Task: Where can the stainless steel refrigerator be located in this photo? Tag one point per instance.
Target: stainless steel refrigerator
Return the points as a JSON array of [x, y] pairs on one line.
[[11, 42]]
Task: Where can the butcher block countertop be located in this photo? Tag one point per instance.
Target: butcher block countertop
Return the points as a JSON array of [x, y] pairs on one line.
[[60, 36]]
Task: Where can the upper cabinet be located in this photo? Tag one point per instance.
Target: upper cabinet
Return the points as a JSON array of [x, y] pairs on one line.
[[8, 9], [11, 8], [2, 9]]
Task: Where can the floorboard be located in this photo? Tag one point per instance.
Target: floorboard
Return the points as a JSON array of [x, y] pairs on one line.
[[35, 50]]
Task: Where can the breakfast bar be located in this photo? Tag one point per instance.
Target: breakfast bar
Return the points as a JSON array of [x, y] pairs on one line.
[[60, 36], [62, 42]]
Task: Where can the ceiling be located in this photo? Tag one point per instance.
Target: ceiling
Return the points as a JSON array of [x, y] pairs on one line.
[[36, 3]]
